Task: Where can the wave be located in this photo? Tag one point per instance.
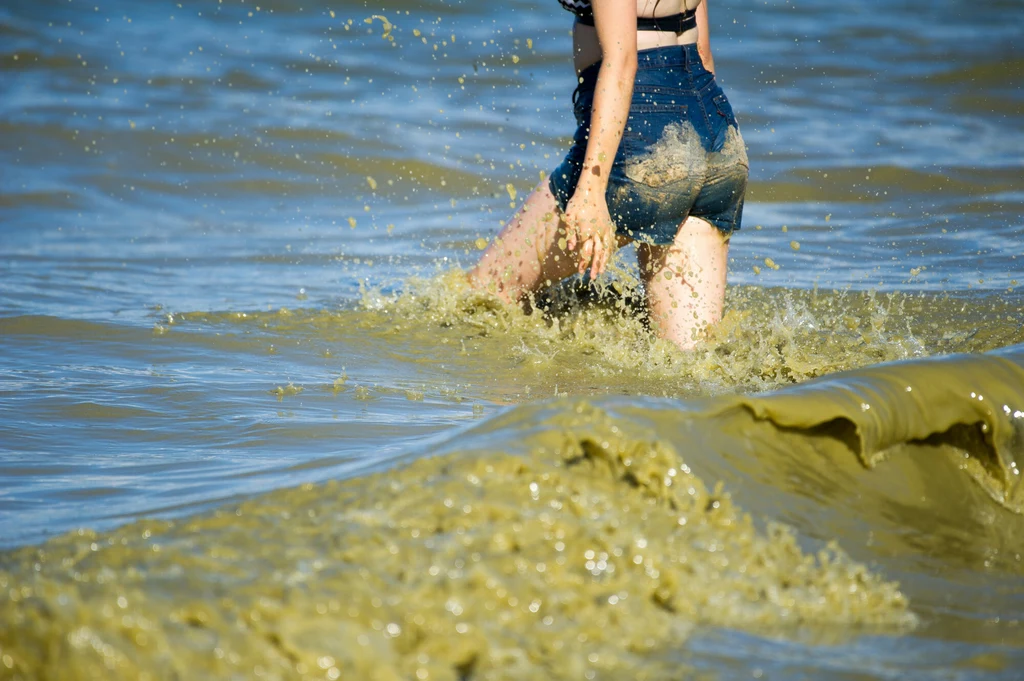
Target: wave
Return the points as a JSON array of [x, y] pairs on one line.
[[974, 403], [555, 539]]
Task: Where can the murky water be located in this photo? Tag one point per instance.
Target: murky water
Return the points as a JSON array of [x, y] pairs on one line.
[[237, 352]]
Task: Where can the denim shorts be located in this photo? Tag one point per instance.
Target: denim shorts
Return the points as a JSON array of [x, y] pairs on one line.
[[681, 152]]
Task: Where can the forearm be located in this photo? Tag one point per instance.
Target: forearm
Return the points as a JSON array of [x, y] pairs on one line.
[[615, 24], [612, 95]]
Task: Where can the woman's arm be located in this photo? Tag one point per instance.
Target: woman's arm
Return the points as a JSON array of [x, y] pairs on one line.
[[704, 37], [587, 212]]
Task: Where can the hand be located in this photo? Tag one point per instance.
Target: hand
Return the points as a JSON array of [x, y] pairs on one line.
[[590, 226]]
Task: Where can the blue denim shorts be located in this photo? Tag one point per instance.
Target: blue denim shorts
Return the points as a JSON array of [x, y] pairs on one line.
[[681, 152]]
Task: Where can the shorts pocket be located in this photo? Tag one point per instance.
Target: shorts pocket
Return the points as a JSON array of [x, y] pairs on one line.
[[675, 158], [646, 125]]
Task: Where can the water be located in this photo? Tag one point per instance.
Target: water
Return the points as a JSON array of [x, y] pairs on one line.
[[231, 237]]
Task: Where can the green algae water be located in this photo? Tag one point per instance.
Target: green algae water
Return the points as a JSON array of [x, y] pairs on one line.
[[254, 424]]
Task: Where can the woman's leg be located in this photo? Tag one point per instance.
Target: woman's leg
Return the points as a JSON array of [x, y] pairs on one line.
[[685, 282], [529, 254]]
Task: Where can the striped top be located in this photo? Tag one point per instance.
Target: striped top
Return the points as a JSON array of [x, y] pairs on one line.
[[578, 7]]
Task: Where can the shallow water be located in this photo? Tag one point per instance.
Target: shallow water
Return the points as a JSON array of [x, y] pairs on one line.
[[230, 300]]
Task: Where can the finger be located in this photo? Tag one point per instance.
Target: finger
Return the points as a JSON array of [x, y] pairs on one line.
[[570, 241], [586, 255], [600, 258], [609, 251]]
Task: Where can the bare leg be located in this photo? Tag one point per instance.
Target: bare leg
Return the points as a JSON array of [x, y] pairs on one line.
[[529, 254], [685, 282]]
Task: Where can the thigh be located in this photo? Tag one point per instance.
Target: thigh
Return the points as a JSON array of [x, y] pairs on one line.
[[685, 281], [529, 253]]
